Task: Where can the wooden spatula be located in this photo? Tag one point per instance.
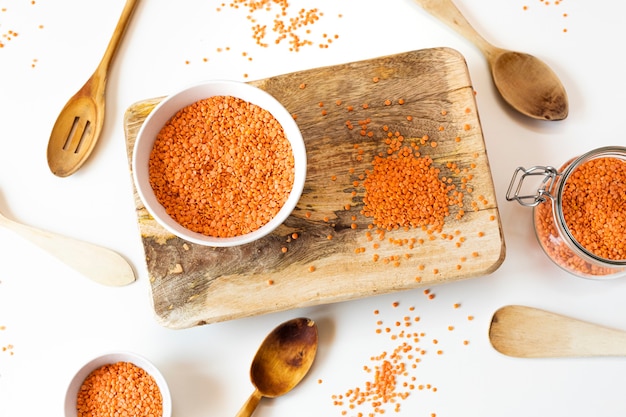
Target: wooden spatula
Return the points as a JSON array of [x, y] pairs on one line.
[[527, 332]]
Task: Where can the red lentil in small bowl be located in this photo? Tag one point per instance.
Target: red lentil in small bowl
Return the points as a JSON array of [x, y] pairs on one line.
[[116, 384], [221, 163]]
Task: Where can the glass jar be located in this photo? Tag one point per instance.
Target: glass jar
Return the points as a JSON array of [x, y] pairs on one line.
[[579, 211]]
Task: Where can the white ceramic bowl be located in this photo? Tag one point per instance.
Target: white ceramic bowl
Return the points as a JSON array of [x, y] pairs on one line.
[[111, 358], [168, 108]]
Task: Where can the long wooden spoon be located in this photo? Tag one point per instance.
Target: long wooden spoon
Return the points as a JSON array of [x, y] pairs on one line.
[[527, 332], [283, 359], [79, 124], [524, 81], [95, 262]]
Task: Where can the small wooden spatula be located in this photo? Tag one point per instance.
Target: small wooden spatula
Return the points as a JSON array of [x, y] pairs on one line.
[[527, 332]]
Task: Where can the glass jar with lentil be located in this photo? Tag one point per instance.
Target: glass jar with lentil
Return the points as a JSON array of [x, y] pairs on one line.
[[579, 211]]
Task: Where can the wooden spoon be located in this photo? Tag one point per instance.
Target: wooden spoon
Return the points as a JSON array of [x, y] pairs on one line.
[[95, 262], [527, 332], [78, 127], [524, 81], [283, 359]]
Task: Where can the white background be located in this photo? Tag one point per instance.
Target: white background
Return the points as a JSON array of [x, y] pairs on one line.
[[55, 320]]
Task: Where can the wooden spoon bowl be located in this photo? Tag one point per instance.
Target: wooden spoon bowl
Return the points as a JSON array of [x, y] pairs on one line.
[[283, 359], [78, 126], [525, 82]]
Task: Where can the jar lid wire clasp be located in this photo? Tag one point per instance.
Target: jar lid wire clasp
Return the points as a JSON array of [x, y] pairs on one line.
[[541, 194]]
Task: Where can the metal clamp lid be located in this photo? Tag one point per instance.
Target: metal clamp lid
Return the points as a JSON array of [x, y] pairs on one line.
[[542, 193]]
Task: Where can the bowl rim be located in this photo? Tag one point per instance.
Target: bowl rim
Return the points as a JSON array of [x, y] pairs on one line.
[[165, 109], [112, 357]]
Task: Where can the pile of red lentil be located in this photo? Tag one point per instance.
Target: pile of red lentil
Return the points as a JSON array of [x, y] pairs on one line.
[[392, 376], [119, 389], [222, 167], [400, 187], [403, 189]]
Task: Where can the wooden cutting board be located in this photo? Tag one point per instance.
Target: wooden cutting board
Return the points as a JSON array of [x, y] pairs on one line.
[[336, 256]]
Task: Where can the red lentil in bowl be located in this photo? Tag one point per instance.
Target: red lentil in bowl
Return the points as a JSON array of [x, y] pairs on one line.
[[121, 383], [580, 212], [221, 163]]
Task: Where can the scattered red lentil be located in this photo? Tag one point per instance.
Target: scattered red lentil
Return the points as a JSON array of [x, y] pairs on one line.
[[8, 349], [547, 3], [389, 379]]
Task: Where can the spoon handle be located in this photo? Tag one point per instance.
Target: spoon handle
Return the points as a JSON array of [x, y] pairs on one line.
[[116, 38], [527, 332], [100, 264], [448, 13], [250, 405]]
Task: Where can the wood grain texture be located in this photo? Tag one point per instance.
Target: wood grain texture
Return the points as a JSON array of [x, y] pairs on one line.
[[528, 332], [194, 285]]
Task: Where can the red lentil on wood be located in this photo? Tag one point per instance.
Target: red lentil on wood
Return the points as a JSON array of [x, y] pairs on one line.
[[404, 190], [222, 167], [119, 389]]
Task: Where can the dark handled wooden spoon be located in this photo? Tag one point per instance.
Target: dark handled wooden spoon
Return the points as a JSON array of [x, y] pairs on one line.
[[79, 124], [527, 332], [283, 359], [524, 81]]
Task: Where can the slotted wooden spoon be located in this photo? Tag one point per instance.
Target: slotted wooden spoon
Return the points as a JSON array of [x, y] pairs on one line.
[[524, 81], [79, 124], [527, 332]]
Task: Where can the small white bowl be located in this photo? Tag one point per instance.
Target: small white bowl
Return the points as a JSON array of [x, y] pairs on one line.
[[168, 108], [112, 358]]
